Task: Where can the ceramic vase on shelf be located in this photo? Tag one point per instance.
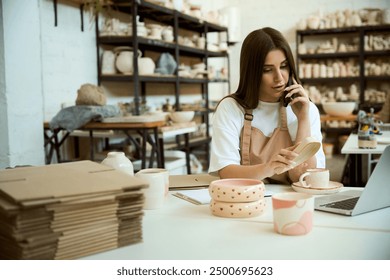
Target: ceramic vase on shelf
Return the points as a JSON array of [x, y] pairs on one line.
[[108, 62], [124, 59], [119, 161]]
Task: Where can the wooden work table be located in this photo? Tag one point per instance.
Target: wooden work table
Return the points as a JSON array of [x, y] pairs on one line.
[[153, 133], [148, 131]]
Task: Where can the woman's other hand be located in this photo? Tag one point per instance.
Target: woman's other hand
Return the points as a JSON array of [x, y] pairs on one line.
[[282, 161]]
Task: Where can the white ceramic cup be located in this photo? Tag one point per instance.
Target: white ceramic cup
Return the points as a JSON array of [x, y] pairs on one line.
[[155, 194], [293, 213], [317, 178]]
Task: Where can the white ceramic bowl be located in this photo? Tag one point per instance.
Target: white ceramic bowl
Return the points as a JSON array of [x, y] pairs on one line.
[[182, 116], [339, 108], [237, 190]]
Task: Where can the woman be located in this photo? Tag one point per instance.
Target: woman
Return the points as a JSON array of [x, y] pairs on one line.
[[253, 133]]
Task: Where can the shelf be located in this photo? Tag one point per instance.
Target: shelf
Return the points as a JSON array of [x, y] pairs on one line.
[[353, 29], [130, 78], [165, 15], [338, 130], [156, 79], [142, 41], [361, 57], [377, 53], [367, 106], [329, 55], [183, 54], [377, 78], [145, 43], [330, 80], [219, 81], [325, 118]]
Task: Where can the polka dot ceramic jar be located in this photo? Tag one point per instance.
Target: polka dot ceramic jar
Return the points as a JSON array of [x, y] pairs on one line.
[[237, 198], [237, 209]]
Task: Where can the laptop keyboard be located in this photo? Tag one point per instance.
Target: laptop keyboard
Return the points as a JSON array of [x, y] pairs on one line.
[[347, 204]]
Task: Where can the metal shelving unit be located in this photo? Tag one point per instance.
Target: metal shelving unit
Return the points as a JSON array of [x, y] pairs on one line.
[[179, 21]]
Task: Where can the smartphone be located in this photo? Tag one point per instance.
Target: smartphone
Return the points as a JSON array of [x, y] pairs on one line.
[[287, 100]]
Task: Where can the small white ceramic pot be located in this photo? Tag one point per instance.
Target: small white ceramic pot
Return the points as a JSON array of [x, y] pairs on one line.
[[119, 161]]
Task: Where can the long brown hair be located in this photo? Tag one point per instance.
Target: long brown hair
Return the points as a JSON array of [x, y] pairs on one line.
[[255, 48]]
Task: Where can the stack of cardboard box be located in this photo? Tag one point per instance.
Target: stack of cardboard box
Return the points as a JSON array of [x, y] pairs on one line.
[[69, 210]]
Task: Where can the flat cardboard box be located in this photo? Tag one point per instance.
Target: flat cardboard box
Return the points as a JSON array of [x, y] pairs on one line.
[[56, 181]]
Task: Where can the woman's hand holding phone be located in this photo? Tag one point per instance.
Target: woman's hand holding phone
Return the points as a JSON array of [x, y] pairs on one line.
[[297, 97], [287, 99]]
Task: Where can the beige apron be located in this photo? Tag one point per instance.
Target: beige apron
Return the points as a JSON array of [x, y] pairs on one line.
[[257, 148]]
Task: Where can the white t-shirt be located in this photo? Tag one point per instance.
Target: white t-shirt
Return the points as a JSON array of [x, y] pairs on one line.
[[228, 121]]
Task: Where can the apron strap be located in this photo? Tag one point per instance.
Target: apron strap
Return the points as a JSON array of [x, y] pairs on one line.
[[246, 138], [283, 118]]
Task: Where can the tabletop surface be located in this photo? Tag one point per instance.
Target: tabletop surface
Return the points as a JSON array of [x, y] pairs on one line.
[[183, 231], [116, 125], [107, 129], [351, 145]]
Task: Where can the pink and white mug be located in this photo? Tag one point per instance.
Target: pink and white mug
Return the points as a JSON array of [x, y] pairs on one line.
[[293, 213]]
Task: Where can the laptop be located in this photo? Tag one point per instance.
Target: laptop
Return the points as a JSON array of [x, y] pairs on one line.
[[375, 195]]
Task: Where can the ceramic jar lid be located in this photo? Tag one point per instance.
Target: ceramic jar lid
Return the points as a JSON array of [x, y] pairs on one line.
[[237, 190]]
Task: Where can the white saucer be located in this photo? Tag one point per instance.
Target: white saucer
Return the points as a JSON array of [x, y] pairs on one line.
[[333, 188]]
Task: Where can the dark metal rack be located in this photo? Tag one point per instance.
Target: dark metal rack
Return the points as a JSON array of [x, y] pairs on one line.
[[179, 21], [361, 55]]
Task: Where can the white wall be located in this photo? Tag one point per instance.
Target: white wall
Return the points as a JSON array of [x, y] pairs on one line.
[[68, 55], [42, 66], [21, 85]]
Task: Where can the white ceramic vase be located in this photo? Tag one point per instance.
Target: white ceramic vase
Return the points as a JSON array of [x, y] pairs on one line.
[[119, 161], [108, 62], [124, 59], [386, 16], [146, 66]]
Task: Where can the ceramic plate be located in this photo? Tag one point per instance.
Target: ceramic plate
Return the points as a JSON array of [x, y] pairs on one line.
[[334, 188], [306, 149]]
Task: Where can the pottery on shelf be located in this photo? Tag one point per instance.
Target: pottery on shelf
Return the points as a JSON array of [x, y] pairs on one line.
[[313, 22], [166, 64], [146, 66], [124, 59], [108, 62]]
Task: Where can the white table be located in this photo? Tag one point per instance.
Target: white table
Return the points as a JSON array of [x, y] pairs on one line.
[[184, 231], [351, 148]]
